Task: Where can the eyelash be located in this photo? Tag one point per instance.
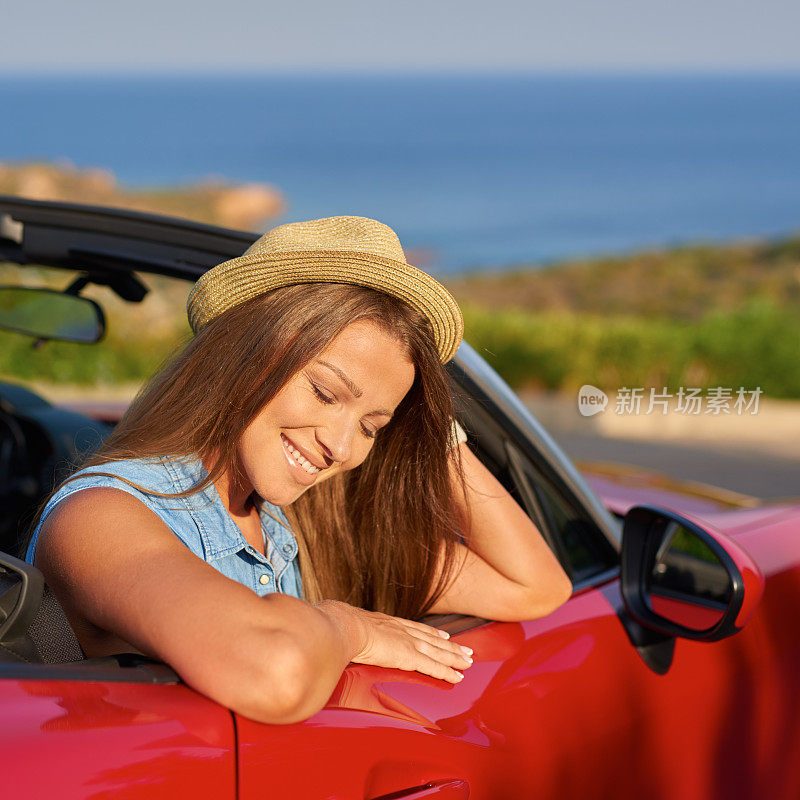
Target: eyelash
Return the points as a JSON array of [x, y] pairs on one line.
[[324, 398], [321, 396]]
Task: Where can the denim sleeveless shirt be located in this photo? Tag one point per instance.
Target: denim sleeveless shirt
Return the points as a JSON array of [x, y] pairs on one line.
[[200, 521]]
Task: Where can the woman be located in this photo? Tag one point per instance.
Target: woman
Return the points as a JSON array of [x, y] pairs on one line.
[[308, 420]]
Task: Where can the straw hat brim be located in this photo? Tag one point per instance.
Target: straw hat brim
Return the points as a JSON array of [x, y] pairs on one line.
[[248, 276]]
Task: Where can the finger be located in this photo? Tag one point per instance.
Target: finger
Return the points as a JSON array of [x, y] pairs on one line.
[[430, 666], [443, 644], [457, 660], [423, 628]]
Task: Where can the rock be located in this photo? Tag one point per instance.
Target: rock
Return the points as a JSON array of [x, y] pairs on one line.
[[247, 206], [99, 181]]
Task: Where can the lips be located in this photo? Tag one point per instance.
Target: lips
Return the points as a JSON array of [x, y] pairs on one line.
[[298, 458]]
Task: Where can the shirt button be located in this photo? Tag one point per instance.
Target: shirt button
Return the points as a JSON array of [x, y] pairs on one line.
[[264, 580], [287, 548]]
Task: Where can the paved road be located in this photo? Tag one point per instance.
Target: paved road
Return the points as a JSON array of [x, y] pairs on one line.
[[740, 471]]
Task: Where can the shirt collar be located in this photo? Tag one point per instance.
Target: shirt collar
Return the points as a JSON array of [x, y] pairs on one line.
[[225, 538]]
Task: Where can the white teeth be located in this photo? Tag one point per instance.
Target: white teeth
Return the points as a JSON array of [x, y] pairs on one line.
[[309, 468]]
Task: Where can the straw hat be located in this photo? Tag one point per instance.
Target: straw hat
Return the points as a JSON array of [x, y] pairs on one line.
[[353, 250]]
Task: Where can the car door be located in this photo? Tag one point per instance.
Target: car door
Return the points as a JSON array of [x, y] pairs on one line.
[[84, 730], [667, 719]]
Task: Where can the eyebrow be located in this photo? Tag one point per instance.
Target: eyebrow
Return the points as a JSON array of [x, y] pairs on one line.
[[350, 385]]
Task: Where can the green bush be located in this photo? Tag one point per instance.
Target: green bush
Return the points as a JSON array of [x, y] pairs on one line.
[[114, 360], [757, 345]]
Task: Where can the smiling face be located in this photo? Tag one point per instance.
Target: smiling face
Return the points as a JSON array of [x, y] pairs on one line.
[[325, 419]]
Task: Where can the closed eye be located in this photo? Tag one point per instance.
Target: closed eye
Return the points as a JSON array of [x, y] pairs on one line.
[[328, 400], [370, 434], [321, 396]]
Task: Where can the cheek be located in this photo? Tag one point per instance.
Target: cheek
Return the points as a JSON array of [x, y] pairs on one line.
[[359, 454], [260, 441], [291, 407], [252, 450], [362, 447]]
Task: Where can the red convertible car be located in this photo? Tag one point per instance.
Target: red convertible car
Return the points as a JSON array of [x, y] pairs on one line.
[[672, 672]]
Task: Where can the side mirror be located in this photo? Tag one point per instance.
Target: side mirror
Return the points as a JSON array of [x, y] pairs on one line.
[[681, 579], [48, 314]]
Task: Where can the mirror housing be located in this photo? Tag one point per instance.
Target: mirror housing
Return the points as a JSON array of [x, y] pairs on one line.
[[50, 314], [681, 579]]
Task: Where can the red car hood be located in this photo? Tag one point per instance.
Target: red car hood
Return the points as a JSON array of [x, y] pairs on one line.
[[621, 487]]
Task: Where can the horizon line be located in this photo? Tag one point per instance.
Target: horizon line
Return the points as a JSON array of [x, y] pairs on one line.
[[110, 73]]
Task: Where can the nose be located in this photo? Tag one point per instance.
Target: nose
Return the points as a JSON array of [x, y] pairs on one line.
[[336, 440]]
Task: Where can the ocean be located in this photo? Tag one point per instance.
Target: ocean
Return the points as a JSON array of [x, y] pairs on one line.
[[474, 172]]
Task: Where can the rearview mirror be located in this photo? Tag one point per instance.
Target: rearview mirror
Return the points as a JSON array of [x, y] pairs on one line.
[[682, 579], [49, 314]]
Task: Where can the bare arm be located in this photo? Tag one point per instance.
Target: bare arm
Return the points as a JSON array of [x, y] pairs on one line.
[[506, 571], [115, 565]]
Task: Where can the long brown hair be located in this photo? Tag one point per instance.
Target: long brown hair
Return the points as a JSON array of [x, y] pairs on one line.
[[381, 536]]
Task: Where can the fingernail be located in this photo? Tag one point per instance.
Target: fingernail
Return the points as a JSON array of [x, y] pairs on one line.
[[466, 650], [460, 676], [467, 658], [444, 634]]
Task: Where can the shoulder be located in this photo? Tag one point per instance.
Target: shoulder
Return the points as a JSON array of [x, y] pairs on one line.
[[113, 564], [127, 491], [138, 477], [146, 474], [145, 478], [94, 536], [96, 518]]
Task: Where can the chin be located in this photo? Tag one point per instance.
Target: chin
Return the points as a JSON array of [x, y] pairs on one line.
[[282, 489], [281, 497], [284, 494]]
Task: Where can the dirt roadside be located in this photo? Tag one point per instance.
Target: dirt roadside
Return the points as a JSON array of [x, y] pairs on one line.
[[773, 430]]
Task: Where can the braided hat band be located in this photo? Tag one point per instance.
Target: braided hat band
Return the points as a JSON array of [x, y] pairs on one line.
[[354, 250]]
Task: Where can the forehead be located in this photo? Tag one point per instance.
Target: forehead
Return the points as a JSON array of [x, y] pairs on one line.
[[374, 360]]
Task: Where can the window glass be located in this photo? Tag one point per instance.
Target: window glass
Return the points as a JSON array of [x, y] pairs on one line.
[[574, 537], [578, 535]]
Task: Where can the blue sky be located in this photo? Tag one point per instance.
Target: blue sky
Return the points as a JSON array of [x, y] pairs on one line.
[[402, 35]]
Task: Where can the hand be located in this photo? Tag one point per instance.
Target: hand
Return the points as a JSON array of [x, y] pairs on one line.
[[386, 641]]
